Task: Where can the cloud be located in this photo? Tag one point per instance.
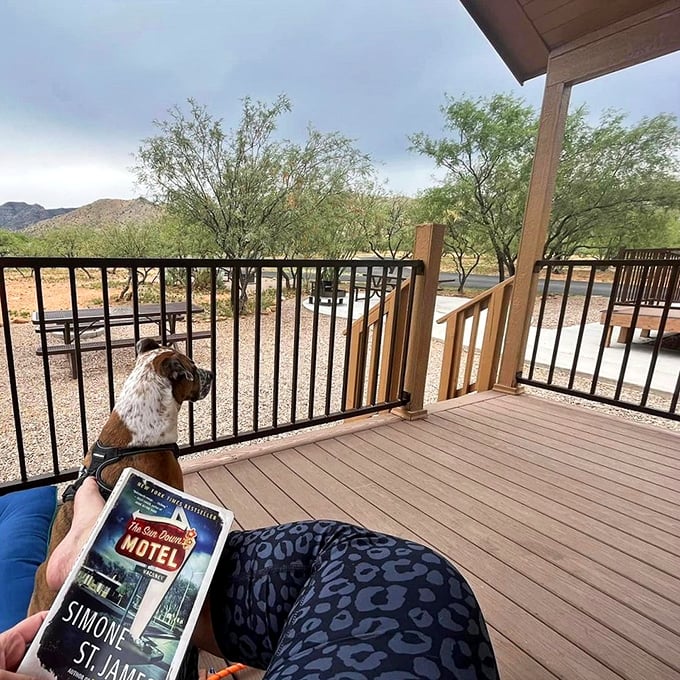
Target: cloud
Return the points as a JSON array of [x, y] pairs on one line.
[[66, 185], [88, 79]]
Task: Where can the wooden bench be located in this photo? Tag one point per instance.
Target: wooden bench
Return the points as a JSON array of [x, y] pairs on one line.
[[649, 319], [648, 284], [116, 343]]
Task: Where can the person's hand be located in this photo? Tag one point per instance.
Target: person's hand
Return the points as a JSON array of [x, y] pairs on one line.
[[13, 643]]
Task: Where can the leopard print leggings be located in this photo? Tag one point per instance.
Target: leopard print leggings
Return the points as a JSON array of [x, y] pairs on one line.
[[321, 599]]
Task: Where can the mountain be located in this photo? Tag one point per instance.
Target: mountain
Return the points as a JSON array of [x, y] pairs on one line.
[[103, 213], [15, 215]]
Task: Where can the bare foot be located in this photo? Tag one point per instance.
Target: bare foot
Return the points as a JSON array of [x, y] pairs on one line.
[[87, 506]]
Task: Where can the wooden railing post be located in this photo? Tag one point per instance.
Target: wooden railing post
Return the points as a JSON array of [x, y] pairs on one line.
[[428, 245], [534, 231]]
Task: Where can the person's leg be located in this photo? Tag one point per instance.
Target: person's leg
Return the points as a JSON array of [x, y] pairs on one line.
[[327, 600], [321, 600]]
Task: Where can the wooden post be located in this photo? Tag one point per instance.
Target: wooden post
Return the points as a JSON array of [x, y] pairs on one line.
[[428, 248], [534, 230]]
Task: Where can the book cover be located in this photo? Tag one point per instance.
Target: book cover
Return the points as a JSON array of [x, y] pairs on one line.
[[131, 601]]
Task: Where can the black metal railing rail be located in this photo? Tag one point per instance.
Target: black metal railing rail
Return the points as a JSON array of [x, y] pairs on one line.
[[572, 349], [280, 365], [651, 287]]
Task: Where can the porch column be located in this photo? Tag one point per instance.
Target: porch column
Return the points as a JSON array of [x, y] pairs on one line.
[[534, 230], [428, 246]]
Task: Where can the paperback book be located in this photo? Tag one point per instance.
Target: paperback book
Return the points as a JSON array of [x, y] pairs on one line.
[[131, 601]]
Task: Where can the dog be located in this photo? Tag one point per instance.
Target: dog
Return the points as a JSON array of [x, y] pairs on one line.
[[141, 432]]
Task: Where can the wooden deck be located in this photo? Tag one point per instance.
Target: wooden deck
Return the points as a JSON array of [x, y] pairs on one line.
[[566, 522]]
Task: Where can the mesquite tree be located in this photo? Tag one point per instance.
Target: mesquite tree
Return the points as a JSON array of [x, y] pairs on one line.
[[247, 186]]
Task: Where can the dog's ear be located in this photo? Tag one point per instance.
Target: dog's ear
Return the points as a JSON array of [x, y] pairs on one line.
[[174, 369], [146, 345]]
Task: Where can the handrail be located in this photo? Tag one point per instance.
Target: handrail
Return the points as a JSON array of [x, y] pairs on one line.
[[303, 374], [387, 318], [496, 301]]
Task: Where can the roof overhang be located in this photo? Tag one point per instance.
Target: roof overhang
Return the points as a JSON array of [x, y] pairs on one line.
[[581, 39]]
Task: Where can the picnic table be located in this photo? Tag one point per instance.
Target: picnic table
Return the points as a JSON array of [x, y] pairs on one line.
[[390, 281], [92, 321]]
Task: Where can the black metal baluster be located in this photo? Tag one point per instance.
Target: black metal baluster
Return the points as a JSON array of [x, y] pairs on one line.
[[277, 346], [560, 323], [629, 340], [415, 271], [51, 424], [11, 372], [107, 337], [189, 314], [236, 297], [315, 340], [213, 349], [395, 330], [78, 356], [348, 336], [539, 323], [582, 327], [256, 353], [296, 344], [331, 341]]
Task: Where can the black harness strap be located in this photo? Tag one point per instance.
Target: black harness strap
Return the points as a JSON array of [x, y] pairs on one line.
[[102, 456]]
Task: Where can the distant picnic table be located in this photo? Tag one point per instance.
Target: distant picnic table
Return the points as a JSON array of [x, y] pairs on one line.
[[92, 321]]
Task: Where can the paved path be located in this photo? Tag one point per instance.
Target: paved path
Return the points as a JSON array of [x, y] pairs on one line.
[[666, 371]]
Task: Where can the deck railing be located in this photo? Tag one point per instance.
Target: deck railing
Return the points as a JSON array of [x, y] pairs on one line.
[[571, 350], [469, 365], [656, 280], [280, 366], [379, 343]]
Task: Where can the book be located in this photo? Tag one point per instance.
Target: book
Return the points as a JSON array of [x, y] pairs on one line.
[[130, 603]]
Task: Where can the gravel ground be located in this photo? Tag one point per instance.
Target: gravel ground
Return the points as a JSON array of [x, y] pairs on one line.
[[311, 381]]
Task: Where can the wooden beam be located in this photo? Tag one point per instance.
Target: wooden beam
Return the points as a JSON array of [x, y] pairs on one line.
[[534, 230], [636, 39], [428, 246]]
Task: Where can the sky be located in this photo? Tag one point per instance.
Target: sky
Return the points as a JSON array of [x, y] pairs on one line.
[[83, 80]]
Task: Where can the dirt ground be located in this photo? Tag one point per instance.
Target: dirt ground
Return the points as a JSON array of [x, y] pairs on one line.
[[56, 292], [21, 296]]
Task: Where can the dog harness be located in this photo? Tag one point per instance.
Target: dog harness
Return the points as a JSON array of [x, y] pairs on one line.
[[102, 456]]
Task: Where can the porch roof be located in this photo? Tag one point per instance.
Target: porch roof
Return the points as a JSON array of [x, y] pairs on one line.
[[528, 33]]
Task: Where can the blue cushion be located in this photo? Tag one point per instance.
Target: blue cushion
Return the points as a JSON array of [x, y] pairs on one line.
[[25, 520]]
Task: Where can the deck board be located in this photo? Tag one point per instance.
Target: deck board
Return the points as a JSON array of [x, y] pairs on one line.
[[478, 466], [542, 557], [551, 446], [491, 453], [511, 440], [613, 545], [566, 530], [622, 457]]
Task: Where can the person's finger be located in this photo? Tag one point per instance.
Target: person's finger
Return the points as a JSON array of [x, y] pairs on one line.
[[8, 675], [14, 641]]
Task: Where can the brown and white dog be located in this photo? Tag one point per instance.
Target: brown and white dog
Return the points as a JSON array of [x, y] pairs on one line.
[[141, 432]]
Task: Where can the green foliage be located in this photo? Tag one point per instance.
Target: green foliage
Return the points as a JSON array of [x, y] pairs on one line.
[[13, 244], [488, 158], [387, 220], [251, 190], [616, 187], [465, 241], [67, 241]]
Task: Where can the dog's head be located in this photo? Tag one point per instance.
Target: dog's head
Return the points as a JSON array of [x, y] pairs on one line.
[[146, 412], [189, 383]]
